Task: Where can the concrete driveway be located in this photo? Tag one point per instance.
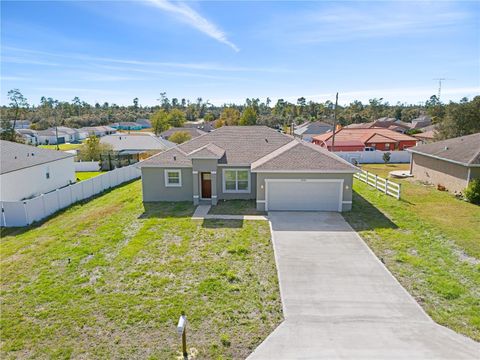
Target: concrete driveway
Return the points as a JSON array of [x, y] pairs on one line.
[[340, 302]]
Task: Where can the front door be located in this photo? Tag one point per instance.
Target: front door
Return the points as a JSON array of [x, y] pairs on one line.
[[206, 185]]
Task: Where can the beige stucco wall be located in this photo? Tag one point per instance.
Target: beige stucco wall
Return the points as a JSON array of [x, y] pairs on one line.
[[32, 181], [439, 172], [154, 189], [347, 185]]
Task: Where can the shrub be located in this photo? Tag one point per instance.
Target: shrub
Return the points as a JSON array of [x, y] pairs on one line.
[[179, 137], [472, 192], [386, 157]]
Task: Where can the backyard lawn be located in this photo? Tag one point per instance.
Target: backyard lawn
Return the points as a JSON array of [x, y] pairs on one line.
[[84, 175], [431, 242], [109, 278], [62, 147]]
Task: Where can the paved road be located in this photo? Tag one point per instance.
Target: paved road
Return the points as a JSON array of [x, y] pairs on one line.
[[340, 302]]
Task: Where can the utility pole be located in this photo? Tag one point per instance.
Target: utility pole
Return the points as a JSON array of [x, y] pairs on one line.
[[334, 122]]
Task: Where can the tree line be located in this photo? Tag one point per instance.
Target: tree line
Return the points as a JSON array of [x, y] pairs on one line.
[[453, 118]]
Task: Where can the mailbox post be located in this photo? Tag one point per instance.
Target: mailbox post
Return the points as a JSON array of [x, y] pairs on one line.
[[182, 330]]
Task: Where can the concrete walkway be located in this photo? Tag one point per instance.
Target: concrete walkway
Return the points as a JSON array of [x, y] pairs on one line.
[[340, 302], [201, 213]]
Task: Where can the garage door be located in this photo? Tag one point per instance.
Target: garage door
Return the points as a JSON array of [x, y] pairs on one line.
[[304, 195]]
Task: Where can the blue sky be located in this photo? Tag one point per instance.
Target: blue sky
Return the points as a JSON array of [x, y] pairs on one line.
[[227, 51]]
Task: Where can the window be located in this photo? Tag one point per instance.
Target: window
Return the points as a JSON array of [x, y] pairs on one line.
[[173, 178], [236, 180]]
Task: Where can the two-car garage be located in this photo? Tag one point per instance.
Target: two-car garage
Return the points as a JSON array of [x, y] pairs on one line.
[[303, 194]]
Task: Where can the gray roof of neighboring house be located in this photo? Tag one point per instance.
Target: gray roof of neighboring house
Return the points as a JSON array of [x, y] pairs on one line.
[[252, 145], [313, 128], [47, 132], [206, 126], [464, 150], [302, 156], [193, 132], [129, 142], [66, 130], [16, 156], [143, 122]]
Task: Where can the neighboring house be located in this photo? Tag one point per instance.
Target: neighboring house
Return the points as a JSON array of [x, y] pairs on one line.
[[49, 137], [126, 125], [250, 162], [145, 123], [29, 136], [357, 139], [421, 122], [21, 124], [206, 126], [74, 135], [98, 130], [27, 171], [131, 148], [308, 130], [451, 163], [384, 122], [192, 131], [426, 137]]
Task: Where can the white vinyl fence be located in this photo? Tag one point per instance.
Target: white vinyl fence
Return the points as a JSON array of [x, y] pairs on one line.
[[384, 185], [374, 157], [87, 165], [25, 212]]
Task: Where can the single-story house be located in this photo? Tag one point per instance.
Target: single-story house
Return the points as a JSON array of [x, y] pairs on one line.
[[27, 171], [451, 163], [192, 131], [203, 125], [383, 122], [145, 123], [127, 125], [421, 122], [426, 136], [131, 148], [98, 130], [51, 137], [250, 162], [357, 139], [28, 135], [309, 129]]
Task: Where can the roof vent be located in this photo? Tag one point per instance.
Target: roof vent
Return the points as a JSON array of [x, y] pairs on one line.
[[175, 158], [446, 147], [266, 140]]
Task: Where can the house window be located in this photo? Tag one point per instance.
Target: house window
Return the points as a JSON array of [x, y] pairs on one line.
[[173, 178], [387, 146], [236, 180]]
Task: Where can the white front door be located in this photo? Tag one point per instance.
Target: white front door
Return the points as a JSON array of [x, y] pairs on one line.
[[304, 195]]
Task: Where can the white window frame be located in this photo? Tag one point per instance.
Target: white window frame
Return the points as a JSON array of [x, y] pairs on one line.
[[179, 172], [236, 191]]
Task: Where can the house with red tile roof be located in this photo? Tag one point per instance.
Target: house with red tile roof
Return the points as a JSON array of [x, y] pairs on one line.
[[357, 139]]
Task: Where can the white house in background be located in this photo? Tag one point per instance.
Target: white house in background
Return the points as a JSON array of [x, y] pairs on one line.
[[28, 135], [98, 130], [27, 171]]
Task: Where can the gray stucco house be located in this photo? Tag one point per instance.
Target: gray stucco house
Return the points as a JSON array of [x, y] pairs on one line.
[[250, 162]]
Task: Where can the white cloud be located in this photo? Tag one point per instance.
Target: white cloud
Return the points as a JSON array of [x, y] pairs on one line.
[[188, 15]]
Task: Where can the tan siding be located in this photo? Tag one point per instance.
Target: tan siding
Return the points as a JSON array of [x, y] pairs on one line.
[[439, 172]]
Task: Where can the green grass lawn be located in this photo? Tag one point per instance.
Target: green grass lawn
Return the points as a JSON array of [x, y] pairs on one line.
[[109, 278], [431, 242], [382, 169], [84, 175], [235, 207], [62, 147]]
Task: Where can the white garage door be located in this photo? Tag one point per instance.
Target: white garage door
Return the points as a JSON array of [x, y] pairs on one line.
[[304, 195]]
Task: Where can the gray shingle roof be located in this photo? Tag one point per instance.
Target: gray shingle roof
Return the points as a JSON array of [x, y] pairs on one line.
[[193, 132], [173, 157], [130, 142], [302, 156], [209, 151], [14, 156], [463, 149]]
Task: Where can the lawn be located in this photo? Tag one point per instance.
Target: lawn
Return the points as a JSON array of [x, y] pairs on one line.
[[430, 241], [62, 147], [84, 175], [235, 207], [109, 278], [383, 170]]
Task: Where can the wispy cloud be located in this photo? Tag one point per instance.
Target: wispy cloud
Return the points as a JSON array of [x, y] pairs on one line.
[[346, 23], [188, 15]]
